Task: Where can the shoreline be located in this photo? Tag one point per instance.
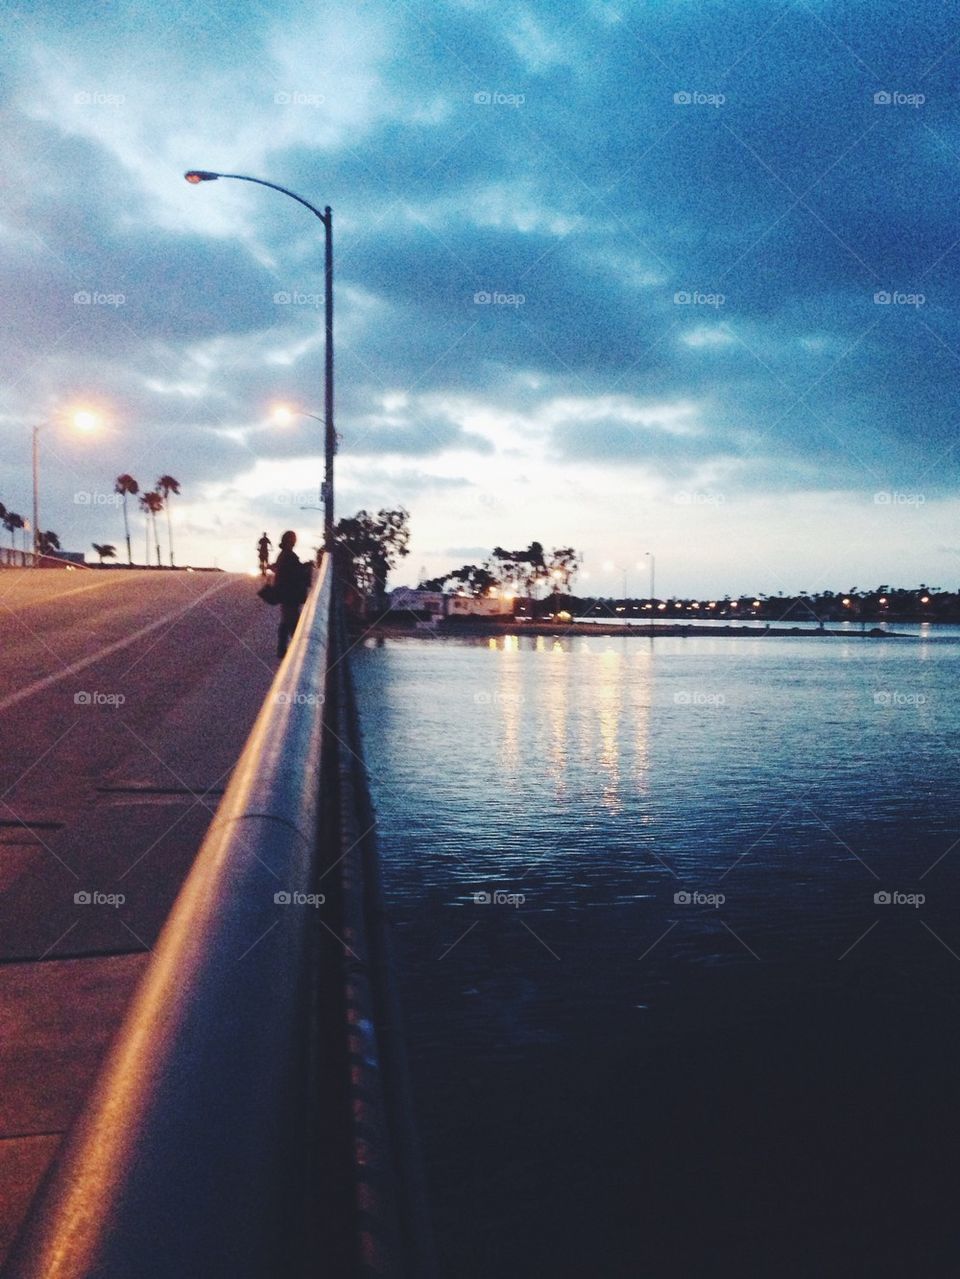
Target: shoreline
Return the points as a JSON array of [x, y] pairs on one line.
[[473, 630]]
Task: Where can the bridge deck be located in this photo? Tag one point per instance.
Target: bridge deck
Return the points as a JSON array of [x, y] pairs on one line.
[[102, 796]]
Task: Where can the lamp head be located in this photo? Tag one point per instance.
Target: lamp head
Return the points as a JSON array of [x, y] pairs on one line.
[[200, 175]]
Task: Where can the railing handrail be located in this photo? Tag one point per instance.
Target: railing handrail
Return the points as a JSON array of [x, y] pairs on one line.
[[180, 1163]]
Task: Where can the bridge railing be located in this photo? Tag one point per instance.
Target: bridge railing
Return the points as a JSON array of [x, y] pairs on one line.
[[219, 1139]]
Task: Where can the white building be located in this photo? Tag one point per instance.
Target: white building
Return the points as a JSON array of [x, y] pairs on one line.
[[479, 605], [407, 599]]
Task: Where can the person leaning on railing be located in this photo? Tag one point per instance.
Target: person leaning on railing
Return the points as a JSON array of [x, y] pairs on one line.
[[291, 580]]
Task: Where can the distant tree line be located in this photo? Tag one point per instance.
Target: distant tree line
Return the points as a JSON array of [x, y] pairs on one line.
[[919, 603], [517, 572]]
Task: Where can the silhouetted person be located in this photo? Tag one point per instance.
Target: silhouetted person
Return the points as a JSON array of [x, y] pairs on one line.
[[291, 577], [263, 549]]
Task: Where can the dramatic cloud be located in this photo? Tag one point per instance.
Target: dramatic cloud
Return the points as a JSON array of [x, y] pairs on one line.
[[629, 277]]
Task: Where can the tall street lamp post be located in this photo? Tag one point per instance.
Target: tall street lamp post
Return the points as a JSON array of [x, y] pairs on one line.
[[326, 217], [653, 561]]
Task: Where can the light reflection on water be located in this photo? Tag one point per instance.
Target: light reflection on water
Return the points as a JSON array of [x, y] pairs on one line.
[[599, 778]]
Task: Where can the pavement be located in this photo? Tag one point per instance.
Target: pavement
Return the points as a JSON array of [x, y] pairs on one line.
[[125, 700]]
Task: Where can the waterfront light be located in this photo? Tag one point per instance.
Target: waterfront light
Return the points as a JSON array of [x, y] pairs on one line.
[[84, 420]]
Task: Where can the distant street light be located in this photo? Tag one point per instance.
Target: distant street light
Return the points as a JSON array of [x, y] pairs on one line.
[[196, 176], [653, 563], [83, 421]]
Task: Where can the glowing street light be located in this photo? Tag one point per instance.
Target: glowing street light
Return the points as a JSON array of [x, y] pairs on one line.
[[83, 420], [195, 177]]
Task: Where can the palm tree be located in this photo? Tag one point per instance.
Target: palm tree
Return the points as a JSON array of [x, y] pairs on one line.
[[11, 522], [106, 550], [165, 486], [48, 542], [126, 484], [150, 503]]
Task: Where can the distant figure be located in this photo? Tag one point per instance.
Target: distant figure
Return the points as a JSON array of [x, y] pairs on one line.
[[263, 549], [291, 577]]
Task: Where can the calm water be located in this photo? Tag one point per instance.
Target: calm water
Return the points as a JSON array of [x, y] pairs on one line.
[[658, 1023]]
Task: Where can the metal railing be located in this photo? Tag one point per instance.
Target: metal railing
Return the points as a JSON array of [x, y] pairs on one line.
[[221, 1138]]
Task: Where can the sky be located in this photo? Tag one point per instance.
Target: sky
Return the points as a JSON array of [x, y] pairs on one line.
[[677, 278]]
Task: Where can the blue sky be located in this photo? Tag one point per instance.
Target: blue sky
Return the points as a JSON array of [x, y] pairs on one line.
[[672, 277]]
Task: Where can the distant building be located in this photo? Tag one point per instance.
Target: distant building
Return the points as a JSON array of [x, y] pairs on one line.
[[408, 600], [479, 606]]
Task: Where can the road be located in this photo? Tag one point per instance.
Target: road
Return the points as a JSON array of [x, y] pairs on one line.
[[125, 699]]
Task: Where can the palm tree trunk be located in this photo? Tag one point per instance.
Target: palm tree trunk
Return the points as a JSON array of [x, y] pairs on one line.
[[156, 539], [169, 530], [126, 529]]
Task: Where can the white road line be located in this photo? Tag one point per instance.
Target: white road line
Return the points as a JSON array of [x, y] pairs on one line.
[[75, 667]]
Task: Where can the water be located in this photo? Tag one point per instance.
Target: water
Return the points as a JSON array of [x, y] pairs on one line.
[[659, 1022]]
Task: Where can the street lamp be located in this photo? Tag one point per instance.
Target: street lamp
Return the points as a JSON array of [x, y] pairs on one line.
[[83, 421], [196, 176], [653, 563]]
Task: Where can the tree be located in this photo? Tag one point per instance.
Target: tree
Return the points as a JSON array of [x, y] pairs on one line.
[[371, 546], [151, 503], [48, 542], [11, 522], [106, 550], [165, 486], [563, 565], [126, 484]]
